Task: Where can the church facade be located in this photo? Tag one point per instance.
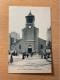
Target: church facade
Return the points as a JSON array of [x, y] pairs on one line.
[[30, 41]]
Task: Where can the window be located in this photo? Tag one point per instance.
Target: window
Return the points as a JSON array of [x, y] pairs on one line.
[[19, 46], [29, 20], [41, 46]]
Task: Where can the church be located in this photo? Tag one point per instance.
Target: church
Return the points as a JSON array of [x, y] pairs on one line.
[[30, 41]]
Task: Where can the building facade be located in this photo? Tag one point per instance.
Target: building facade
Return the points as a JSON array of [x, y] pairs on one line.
[[13, 38], [30, 41], [49, 38]]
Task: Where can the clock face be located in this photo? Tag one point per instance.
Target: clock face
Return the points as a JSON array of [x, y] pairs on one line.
[[29, 26]]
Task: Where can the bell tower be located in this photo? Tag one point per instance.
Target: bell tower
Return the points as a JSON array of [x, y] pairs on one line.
[[30, 20], [30, 34], [30, 27]]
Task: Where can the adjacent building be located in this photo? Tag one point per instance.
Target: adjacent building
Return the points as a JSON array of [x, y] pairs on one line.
[[13, 38], [49, 38]]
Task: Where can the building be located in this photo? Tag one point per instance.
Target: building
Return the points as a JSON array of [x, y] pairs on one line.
[[13, 38], [30, 41], [49, 38]]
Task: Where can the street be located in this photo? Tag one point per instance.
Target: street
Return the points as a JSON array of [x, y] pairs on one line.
[[29, 65]]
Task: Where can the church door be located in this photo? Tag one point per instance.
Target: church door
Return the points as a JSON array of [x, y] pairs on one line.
[[29, 50]]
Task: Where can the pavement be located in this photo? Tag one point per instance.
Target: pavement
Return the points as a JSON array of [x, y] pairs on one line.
[[32, 64]]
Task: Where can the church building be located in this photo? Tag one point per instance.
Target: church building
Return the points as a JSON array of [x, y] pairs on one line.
[[30, 41]]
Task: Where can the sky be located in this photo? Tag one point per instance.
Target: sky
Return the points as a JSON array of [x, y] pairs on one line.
[[17, 19]]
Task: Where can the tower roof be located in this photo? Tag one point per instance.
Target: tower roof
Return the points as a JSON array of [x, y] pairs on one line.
[[30, 14], [30, 18]]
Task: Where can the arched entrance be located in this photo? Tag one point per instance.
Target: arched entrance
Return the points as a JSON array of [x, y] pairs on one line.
[[29, 49]]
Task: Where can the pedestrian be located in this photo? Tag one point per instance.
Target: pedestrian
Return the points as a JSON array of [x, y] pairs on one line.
[[27, 55], [15, 53], [45, 55], [23, 56], [11, 59], [41, 56]]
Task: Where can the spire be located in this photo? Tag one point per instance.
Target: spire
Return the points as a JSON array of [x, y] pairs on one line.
[[30, 14], [30, 11]]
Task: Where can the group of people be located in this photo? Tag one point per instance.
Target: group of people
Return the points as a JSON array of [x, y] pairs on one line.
[[44, 55], [26, 55]]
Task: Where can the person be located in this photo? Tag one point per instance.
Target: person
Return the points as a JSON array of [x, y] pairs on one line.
[[15, 52], [11, 59], [45, 55], [9, 52], [23, 56], [31, 54], [27, 55], [41, 56]]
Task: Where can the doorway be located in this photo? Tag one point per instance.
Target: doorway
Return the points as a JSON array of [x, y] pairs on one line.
[[29, 50]]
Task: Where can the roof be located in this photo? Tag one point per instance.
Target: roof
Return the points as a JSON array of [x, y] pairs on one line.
[[30, 14], [42, 39], [18, 41]]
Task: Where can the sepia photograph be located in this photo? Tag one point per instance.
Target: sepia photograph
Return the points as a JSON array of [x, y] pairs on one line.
[[29, 40]]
